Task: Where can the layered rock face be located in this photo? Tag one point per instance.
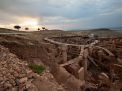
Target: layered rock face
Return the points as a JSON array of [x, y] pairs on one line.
[[14, 73]]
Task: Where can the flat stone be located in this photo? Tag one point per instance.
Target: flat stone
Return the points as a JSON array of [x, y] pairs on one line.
[[23, 80]]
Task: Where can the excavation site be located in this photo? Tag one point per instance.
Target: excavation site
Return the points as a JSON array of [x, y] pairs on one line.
[[60, 61]]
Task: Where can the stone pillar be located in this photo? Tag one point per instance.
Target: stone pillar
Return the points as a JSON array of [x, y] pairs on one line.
[[81, 74], [64, 53], [85, 56]]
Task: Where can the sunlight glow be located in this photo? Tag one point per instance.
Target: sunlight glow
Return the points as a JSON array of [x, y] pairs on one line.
[[31, 22]]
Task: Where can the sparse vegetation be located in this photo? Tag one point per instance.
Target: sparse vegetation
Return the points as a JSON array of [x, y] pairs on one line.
[[17, 27], [37, 68], [26, 28], [38, 29], [43, 28]]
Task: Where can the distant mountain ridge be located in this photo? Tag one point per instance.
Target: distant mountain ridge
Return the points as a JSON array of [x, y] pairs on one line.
[[116, 28]]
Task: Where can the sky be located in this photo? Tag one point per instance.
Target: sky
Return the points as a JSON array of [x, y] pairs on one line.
[[61, 14]]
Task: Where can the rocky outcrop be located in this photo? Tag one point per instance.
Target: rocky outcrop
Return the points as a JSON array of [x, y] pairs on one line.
[[14, 74]]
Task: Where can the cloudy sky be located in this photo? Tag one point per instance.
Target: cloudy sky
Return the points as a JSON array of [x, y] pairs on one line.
[[61, 14]]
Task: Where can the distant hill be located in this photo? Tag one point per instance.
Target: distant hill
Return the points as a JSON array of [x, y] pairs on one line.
[[102, 32], [5, 30], [116, 28], [106, 33], [101, 29]]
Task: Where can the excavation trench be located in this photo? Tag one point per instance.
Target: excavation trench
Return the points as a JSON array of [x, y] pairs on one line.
[[73, 64], [45, 53], [93, 61]]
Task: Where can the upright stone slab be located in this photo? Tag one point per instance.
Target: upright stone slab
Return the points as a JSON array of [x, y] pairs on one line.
[[81, 74], [64, 53]]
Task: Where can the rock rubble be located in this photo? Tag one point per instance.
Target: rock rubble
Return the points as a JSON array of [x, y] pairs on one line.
[[14, 73]]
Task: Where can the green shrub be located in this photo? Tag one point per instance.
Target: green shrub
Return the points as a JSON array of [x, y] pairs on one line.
[[37, 68]]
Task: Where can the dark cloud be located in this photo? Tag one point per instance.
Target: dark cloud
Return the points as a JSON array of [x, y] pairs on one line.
[[94, 13]]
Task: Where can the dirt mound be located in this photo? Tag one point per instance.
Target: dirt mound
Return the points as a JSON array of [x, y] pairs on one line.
[[14, 74]]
